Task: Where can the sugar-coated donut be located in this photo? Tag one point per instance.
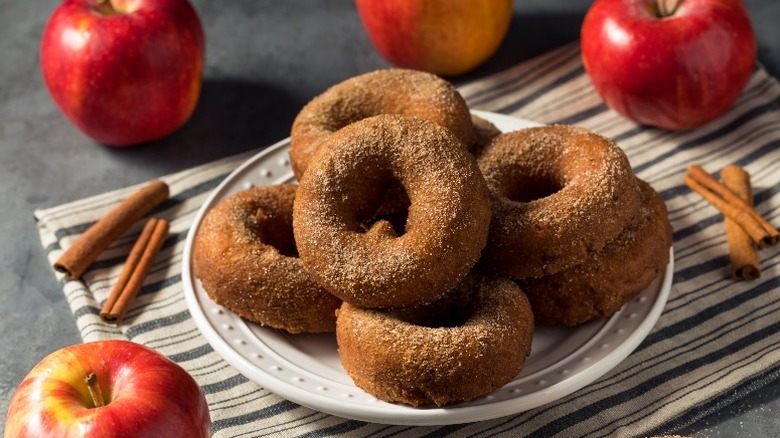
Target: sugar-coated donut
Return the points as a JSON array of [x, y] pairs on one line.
[[559, 193], [396, 200], [246, 260], [484, 132], [462, 347], [368, 262], [388, 91], [608, 279]]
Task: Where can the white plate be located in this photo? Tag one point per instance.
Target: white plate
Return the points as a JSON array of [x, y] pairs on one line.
[[306, 368]]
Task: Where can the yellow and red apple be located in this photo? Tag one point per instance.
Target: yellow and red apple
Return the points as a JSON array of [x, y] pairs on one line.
[[439, 36], [674, 64], [124, 71], [107, 389]]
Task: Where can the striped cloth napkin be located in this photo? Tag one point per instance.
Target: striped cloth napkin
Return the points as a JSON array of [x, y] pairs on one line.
[[716, 341]]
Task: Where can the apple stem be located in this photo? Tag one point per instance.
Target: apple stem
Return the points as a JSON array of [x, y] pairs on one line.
[[105, 7], [667, 8], [94, 390]]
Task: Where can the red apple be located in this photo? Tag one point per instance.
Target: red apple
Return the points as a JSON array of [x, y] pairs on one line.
[[675, 64], [124, 71], [439, 36], [143, 394]]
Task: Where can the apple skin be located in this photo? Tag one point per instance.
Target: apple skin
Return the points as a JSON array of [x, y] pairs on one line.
[[124, 71], [146, 394], [676, 72], [438, 36]]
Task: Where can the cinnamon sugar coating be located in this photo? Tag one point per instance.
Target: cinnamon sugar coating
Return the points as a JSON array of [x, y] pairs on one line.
[[463, 347], [559, 193], [245, 257], [367, 261], [608, 279], [388, 91], [484, 132]]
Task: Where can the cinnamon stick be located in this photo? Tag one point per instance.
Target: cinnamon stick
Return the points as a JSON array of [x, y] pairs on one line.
[[76, 259], [138, 263], [742, 249], [732, 206]]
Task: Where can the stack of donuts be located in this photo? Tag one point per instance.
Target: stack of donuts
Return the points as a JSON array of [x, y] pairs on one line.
[[571, 223], [429, 241]]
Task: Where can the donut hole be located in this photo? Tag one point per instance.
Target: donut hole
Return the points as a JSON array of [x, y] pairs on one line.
[[454, 318], [391, 206], [447, 312], [530, 187], [397, 221], [277, 231]]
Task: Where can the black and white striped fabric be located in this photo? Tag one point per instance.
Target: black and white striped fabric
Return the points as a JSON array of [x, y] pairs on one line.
[[716, 341]]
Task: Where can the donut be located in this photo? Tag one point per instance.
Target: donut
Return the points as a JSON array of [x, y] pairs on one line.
[[558, 194], [467, 344], [388, 91], [484, 132], [245, 257], [370, 262], [610, 278], [396, 202]]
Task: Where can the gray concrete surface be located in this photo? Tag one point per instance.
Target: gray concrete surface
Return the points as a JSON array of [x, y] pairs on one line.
[[265, 59]]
